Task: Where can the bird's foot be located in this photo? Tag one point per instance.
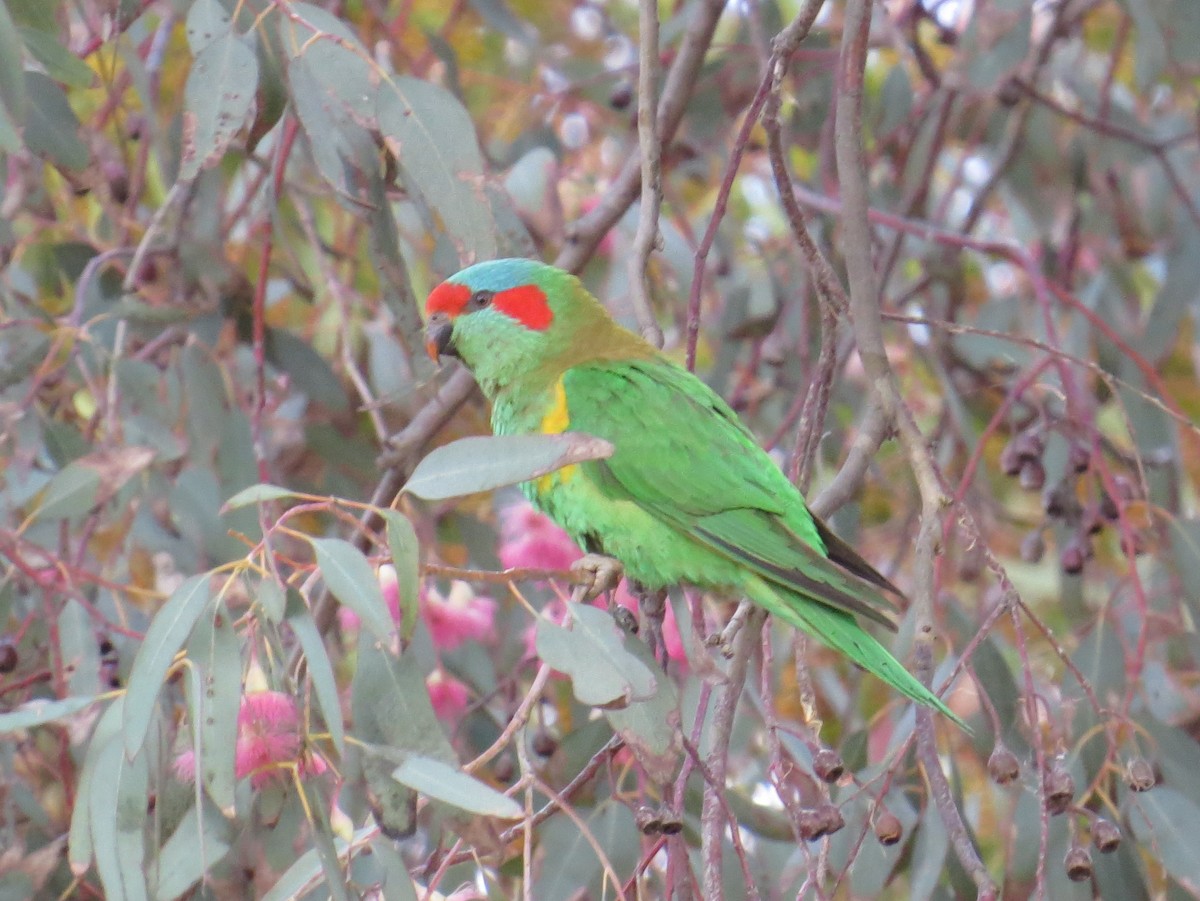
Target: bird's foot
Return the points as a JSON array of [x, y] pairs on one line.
[[596, 574], [652, 604], [723, 640]]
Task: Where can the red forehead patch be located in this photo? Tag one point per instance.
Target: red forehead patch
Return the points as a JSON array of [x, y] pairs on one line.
[[527, 304], [447, 298]]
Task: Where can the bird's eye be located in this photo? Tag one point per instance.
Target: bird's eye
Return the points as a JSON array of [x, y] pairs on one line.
[[480, 299]]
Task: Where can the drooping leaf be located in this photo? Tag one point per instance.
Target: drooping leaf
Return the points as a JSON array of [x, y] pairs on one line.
[[216, 656], [651, 728], [433, 139], [199, 842], [207, 21], [470, 465], [402, 542], [117, 810], [51, 126], [1166, 823], [168, 631], [452, 786], [218, 98], [352, 581], [603, 673], [320, 671]]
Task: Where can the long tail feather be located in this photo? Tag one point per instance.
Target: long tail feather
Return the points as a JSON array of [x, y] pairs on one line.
[[842, 633]]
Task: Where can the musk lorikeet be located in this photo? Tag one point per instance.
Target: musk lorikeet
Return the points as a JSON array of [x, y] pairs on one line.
[[687, 495]]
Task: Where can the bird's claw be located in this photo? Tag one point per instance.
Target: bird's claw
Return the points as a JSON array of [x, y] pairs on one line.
[[596, 574]]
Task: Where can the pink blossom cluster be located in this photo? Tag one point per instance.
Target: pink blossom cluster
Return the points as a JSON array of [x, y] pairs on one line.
[[268, 741]]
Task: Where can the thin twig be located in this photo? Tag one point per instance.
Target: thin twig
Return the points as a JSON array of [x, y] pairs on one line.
[[646, 239]]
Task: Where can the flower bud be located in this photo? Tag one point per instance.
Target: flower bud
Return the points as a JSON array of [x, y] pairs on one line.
[[1139, 775], [888, 828], [1060, 790], [1106, 835], [828, 766]]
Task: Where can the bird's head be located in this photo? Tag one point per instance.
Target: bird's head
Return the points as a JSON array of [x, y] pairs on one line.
[[513, 319]]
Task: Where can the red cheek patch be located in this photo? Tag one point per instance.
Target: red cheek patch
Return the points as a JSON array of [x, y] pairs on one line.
[[447, 298], [527, 304]]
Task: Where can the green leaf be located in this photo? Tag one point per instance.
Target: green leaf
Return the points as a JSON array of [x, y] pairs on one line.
[[207, 21], [306, 872], [470, 465], [353, 582], [199, 842], [452, 786], [272, 599], [256, 494], [569, 859], [168, 631], [51, 127], [310, 371], [79, 836], [320, 671], [60, 63], [402, 542], [218, 98], [117, 810], [651, 727], [216, 655], [602, 672], [71, 492], [12, 72], [1166, 824], [38, 713], [432, 137]]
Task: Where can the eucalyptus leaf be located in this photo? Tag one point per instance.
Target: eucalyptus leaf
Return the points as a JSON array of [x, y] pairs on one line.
[[320, 671], [1166, 824], [452, 786], [38, 713], [218, 100], [405, 550], [471, 465], [256, 494], [651, 728], [603, 673], [200, 841], [168, 631], [353, 582], [216, 655]]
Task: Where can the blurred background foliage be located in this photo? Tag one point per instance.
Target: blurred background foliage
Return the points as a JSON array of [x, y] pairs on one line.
[[217, 222]]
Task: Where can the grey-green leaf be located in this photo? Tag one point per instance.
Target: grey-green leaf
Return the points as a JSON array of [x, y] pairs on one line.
[[38, 713], [1167, 823], [207, 21], [484, 463], [70, 492], [602, 672], [168, 631], [320, 671], [352, 581], [256, 494], [218, 98], [448, 784], [51, 127], [651, 727], [197, 844], [402, 542], [216, 655]]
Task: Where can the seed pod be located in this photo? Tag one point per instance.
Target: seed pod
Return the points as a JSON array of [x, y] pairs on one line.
[[8, 656], [888, 828], [1033, 546], [1078, 863], [1003, 765], [818, 822], [648, 821], [1033, 475], [1010, 461], [1108, 507], [1092, 522], [1106, 835], [1058, 501], [828, 766], [1060, 790], [1074, 555], [1029, 445], [1139, 775]]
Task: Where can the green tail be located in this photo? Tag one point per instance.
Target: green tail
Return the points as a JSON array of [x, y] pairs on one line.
[[841, 632]]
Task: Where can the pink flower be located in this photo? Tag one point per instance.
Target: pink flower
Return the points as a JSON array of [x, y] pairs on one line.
[[530, 540], [448, 695], [459, 616], [268, 741]]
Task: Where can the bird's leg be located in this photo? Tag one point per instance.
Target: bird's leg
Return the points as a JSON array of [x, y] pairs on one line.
[[653, 607], [596, 574]]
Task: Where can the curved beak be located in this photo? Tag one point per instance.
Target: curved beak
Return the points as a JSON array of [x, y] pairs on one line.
[[439, 337]]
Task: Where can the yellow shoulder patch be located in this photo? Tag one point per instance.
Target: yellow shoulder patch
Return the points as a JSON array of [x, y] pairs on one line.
[[557, 420]]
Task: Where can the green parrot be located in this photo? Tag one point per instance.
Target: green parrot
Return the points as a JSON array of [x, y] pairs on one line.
[[687, 496]]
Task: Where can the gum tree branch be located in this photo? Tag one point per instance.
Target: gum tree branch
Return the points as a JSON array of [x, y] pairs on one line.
[[646, 239], [867, 323]]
